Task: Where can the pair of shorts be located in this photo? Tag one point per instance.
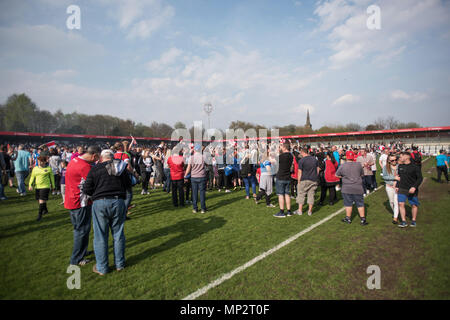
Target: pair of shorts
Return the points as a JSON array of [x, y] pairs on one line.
[[42, 194], [283, 187], [414, 201], [349, 199]]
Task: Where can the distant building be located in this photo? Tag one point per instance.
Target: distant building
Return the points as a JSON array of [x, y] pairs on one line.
[[308, 121]]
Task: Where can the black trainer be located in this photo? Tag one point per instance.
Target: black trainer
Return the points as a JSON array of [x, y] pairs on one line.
[[364, 222], [347, 220]]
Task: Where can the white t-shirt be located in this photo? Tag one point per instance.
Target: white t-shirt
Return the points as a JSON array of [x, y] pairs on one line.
[[383, 160]]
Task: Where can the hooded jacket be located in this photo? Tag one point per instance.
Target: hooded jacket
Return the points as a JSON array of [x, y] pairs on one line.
[[107, 180]]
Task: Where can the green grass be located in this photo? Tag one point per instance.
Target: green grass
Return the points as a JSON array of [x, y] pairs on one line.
[[171, 252]]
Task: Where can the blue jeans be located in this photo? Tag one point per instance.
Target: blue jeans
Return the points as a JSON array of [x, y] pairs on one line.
[[167, 180], [199, 184], [106, 214], [129, 198], [374, 179], [367, 183], [81, 221], [247, 181], [2, 191], [283, 187], [21, 176]]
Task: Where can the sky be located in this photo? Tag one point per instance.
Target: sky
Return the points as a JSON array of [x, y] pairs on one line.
[[259, 61]]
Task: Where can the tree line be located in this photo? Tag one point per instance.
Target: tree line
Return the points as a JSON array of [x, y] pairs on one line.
[[20, 113]]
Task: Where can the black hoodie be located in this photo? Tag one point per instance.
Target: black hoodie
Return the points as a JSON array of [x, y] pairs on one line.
[[410, 176], [108, 179]]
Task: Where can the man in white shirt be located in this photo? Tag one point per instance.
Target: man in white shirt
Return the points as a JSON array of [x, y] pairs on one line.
[[383, 159]]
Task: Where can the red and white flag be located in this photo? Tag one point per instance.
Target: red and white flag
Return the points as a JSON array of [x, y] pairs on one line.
[[133, 141], [51, 144]]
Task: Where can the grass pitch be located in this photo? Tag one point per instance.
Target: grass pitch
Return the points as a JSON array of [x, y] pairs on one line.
[[171, 253]]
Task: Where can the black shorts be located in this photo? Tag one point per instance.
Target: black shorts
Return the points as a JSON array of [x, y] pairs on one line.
[[42, 194]]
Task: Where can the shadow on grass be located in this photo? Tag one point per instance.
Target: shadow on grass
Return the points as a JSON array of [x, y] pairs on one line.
[[355, 213], [165, 204], [222, 203], [387, 205], [16, 199], [442, 181], [190, 229], [60, 220], [389, 210]]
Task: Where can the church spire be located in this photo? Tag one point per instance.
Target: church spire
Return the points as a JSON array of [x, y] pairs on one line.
[[308, 121]]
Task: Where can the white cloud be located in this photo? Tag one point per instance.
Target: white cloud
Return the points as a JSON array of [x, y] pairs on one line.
[[401, 22], [140, 18], [145, 28], [413, 96], [303, 108], [230, 79], [166, 59], [332, 13], [48, 42], [57, 3], [67, 73], [346, 99]]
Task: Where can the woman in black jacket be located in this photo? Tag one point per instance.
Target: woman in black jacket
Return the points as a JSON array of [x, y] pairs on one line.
[[145, 163]]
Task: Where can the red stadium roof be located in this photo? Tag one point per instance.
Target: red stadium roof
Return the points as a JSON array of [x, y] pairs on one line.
[[63, 135]]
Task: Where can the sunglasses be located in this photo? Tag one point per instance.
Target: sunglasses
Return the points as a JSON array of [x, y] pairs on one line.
[[392, 160]]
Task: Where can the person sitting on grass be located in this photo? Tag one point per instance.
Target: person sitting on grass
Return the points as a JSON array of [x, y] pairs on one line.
[[42, 178]]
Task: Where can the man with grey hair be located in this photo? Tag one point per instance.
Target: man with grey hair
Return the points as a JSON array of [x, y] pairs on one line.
[[107, 184], [79, 204], [22, 163]]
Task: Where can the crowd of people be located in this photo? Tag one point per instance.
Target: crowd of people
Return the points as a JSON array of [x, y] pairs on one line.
[[96, 182]]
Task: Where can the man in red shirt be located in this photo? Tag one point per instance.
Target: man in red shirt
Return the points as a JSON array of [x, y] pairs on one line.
[[79, 203], [176, 165]]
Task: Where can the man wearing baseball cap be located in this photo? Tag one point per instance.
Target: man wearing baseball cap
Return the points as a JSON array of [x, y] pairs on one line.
[[351, 173]]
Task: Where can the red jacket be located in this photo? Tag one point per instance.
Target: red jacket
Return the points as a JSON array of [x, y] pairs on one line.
[[176, 165], [76, 173], [295, 174], [330, 171]]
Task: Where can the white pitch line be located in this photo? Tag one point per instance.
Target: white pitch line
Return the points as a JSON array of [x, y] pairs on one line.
[[229, 275]]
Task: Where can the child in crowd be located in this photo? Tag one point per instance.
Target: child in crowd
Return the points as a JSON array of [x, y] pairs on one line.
[[43, 180]]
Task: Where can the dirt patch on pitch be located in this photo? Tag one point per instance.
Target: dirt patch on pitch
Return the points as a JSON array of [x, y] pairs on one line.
[[397, 252]]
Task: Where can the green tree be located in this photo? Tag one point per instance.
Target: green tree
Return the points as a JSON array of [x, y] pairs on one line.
[[179, 125], [19, 113]]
